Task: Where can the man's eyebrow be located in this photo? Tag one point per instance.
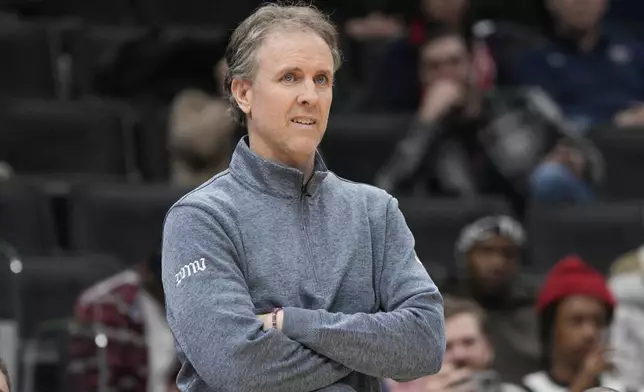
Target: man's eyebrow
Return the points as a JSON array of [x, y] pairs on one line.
[[298, 69]]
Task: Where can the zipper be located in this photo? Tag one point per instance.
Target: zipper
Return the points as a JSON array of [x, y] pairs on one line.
[[305, 232]]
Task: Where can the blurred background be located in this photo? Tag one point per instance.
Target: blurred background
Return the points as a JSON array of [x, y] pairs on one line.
[[110, 110]]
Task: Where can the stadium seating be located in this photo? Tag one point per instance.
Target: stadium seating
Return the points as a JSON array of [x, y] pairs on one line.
[[50, 286], [65, 138], [599, 233], [436, 224], [152, 145], [93, 49], [622, 150], [26, 219], [356, 147], [196, 12], [28, 57], [107, 12], [119, 219]]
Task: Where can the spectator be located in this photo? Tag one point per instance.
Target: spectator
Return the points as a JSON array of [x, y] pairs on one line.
[[399, 88], [464, 142], [468, 356], [5, 382], [575, 308], [488, 253], [201, 137], [594, 75], [627, 335], [126, 313]]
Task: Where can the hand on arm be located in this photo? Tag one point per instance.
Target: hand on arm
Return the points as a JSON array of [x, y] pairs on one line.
[[406, 340]]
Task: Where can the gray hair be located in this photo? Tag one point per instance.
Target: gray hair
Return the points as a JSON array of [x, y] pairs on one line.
[[250, 34]]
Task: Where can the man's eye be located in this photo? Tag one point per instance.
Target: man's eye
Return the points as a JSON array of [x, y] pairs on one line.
[[288, 77], [321, 79]]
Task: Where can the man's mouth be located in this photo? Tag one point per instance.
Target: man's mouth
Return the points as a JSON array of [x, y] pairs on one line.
[[304, 121]]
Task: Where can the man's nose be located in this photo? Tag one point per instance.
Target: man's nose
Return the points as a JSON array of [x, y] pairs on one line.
[[308, 94]]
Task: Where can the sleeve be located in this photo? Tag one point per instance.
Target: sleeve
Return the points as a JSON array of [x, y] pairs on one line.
[[212, 316], [406, 340]]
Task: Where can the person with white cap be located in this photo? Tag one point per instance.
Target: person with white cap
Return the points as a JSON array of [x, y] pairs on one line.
[[488, 253]]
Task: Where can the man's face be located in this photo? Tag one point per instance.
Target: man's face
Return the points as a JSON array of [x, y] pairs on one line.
[[467, 345], [580, 15], [580, 323], [288, 103], [446, 11], [444, 58], [493, 263]]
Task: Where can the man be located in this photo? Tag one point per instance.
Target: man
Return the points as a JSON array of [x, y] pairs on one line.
[[488, 254], [278, 275], [575, 309], [465, 142], [593, 74], [468, 356], [121, 340], [5, 383]]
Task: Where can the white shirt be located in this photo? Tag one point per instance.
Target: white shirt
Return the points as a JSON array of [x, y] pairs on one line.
[[541, 382], [160, 342]]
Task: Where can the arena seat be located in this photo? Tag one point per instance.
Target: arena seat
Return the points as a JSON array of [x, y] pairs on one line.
[[50, 286], [152, 145], [622, 151], [196, 12], [599, 233], [357, 146], [107, 12], [53, 137], [119, 219], [26, 219], [94, 48], [436, 224], [27, 65]]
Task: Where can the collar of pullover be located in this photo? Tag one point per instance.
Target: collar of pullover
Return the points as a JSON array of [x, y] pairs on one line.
[[272, 178]]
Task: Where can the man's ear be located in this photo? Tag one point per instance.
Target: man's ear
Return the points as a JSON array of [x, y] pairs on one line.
[[243, 93]]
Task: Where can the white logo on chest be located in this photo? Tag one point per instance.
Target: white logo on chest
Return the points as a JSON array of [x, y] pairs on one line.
[[190, 269]]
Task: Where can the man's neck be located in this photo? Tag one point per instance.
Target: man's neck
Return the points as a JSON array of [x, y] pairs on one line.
[[585, 40], [305, 164]]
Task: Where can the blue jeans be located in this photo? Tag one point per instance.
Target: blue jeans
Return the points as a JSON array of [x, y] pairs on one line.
[[553, 182]]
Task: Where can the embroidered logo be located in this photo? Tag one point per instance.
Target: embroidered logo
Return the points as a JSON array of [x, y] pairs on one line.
[[190, 269]]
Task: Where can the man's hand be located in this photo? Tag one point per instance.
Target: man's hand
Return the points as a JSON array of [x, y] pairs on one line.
[[595, 363], [451, 379], [440, 98], [568, 156], [267, 320], [631, 116]]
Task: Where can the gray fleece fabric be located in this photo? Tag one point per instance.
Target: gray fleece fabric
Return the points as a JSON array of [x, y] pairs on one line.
[[336, 255]]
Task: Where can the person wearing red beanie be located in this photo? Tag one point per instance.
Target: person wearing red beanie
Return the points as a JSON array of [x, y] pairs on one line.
[[575, 308]]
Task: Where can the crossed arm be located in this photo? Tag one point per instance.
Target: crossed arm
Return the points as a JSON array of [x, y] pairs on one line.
[[311, 349]]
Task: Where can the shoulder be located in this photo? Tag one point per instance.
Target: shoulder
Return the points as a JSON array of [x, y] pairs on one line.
[[371, 197], [118, 290], [217, 197]]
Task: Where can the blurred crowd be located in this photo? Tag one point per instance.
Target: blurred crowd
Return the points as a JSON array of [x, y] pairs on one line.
[[503, 97]]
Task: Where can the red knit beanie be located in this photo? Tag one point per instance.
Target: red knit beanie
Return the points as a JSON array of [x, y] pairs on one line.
[[572, 276]]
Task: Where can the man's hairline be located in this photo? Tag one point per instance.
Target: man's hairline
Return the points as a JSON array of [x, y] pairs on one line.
[[281, 29]]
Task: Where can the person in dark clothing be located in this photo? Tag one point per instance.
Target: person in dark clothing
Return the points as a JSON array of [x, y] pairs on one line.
[[464, 142], [488, 254]]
